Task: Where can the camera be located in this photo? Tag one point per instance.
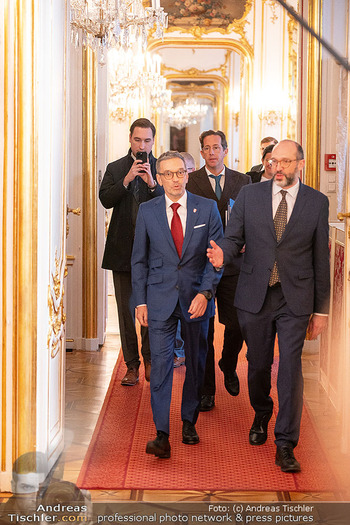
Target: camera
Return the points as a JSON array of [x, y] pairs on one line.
[[141, 155]]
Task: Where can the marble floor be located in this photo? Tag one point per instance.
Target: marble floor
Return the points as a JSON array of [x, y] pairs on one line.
[[87, 379]]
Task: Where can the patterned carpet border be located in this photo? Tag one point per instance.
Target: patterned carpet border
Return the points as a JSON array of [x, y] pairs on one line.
[[223, 460]]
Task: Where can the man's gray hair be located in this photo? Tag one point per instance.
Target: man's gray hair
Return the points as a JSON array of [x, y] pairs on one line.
[[167, 155]]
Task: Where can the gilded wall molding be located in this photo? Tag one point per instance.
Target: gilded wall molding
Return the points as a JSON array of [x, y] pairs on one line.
[[246, 75], [313, 111], [236, 26], [4, 262], [273, 7], [57, 317], [25, 227], [292, 28], [203, 73], [89, 160]]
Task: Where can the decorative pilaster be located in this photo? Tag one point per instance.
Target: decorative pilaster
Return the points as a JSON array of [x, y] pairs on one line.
[[313, 112], [25, 221], [89, 211]]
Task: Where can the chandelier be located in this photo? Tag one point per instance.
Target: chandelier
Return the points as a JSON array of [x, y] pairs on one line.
[[103, 24], [186, 113], [160, 95], [134, 75]]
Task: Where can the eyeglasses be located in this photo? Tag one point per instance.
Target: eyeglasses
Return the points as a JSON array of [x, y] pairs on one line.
[[285, 163], [168, 175]]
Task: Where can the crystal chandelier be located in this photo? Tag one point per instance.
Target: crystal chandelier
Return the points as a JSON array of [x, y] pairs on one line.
[[134, 75], [161, 96], [186, 113], [102, 24]]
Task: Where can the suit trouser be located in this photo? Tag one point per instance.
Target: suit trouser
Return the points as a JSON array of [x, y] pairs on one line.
[[162, 338], [233, 338], [259, 331], [128, 336]]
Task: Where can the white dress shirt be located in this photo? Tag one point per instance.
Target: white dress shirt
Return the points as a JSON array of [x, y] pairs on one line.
[[181, 211], [290, 198], [212, 181]]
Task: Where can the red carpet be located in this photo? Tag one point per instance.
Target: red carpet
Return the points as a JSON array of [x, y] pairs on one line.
[[223, 460]]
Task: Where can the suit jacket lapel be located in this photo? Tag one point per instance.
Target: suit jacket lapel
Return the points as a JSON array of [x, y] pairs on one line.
[[192, 214], [267, 201], [162, 218], [202, 181], [298, 206], [229, 188]]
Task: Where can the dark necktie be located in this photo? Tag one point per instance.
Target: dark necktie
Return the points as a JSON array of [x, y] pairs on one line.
[[176, 229], [218, 190], [280, 221]]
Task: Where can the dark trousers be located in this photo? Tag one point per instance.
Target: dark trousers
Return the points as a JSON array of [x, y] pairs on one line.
[[233, 339], [162, 336], [259, 332], [128, 336]]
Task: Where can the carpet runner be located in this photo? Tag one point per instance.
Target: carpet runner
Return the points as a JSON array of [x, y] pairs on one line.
[[223, 460]]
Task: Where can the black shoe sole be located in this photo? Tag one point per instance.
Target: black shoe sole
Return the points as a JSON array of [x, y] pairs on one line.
[[159, 453], [206, 409], [191, 441], [254, 444], [288, 469], [232, 392]]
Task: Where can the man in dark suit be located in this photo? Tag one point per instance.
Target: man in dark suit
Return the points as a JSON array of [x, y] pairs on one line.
[[215, 181], [267, 172], [283, 288], [126, 183], [256, 171], [173, 280]]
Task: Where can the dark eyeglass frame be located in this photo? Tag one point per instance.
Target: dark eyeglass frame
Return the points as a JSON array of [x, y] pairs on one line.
[[168, 175], [285, 163]]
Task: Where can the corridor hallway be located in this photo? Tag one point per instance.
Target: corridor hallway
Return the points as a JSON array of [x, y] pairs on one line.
[[87, 379]]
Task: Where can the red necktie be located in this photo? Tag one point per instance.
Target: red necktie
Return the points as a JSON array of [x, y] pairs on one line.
[[176, 229]]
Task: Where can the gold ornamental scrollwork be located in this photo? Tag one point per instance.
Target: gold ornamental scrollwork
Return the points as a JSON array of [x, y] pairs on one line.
[[273, 6], [75, 211], [57, 317], [193, 72]]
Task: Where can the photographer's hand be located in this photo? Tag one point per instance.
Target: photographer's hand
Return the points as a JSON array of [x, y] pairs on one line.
[[146, 175], [136, 169]]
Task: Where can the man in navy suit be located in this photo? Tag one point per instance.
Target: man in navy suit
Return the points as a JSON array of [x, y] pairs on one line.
[[172, 279], [283, 288], [216, 181]]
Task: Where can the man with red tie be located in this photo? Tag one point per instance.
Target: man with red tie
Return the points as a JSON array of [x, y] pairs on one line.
[[172, 280]]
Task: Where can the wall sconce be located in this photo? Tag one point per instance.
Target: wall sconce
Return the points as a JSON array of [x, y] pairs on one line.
[[235, 118], [271, 117], [234, 104]]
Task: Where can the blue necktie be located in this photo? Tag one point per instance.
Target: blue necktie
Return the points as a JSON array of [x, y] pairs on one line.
[[218, 190]]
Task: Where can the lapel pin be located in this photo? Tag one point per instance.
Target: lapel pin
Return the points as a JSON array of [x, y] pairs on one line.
[[194, 210]]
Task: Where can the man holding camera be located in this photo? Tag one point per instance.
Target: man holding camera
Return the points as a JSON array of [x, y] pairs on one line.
[[127, 183]]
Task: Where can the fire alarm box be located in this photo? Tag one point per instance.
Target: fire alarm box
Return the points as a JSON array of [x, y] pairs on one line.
[[330, 162]]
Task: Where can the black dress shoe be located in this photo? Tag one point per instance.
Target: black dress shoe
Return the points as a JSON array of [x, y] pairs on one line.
[[286, 460], [258, 431], [160, 446], [207, 403], [231, 380], [189, 434]]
